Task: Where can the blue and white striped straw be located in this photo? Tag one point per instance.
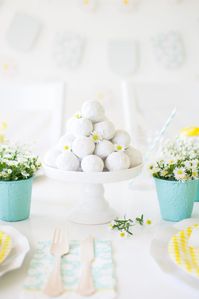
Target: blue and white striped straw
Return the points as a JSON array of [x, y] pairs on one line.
[[160, 134]]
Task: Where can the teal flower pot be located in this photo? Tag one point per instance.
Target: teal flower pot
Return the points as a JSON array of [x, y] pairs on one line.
[[197, 195], [176, 198], [15, 199]]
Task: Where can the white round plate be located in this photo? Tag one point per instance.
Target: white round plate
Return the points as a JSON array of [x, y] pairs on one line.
[[159, 252], [92, 177], [18, 252]]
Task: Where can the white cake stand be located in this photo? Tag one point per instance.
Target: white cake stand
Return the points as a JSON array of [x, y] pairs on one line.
[[93, 207]]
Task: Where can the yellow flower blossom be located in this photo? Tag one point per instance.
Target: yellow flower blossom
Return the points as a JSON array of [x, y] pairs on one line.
[[123, 234], [67, 148], [148, 221]]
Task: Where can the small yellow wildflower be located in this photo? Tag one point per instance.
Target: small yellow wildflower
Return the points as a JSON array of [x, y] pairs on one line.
[[148, 221], [67, 147], [123, 234]]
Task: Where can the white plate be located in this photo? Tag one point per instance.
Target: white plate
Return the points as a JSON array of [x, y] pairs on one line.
[[103, 177], [159, 252], [18, 252]]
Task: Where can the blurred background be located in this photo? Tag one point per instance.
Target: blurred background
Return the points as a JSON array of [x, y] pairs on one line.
[[140, 58]]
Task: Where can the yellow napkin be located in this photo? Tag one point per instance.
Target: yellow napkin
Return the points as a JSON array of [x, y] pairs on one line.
[[5, 246], [190, 132], [184, 256]]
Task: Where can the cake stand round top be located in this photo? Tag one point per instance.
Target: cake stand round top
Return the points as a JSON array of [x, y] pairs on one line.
[[92, 177]]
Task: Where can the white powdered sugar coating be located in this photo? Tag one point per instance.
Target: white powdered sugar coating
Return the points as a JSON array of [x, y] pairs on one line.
[[83, 146], [51, 156], [104, 148], [92, 163], [117, 161], [93, 110], [105, 129], [134, 155], [68, 161], [65, 142], [121, 137], [80, 127]]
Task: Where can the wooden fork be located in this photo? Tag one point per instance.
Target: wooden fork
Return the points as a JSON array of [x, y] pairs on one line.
[[59, 247]]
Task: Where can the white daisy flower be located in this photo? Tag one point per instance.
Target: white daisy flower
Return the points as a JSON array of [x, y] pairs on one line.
[[180, 173], [195, 174], [164, 173], [119, 148], [96, 137]]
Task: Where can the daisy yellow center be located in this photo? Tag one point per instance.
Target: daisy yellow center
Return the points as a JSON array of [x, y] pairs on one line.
[[119, 147], [95, 137], [126, 2], [180, 171], [66, 147]]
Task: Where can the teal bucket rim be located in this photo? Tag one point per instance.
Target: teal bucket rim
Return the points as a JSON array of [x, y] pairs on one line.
[[175, 181], [16, 181]]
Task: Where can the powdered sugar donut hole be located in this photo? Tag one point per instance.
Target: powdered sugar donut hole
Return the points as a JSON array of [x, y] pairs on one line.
[[121, 137], [51, 156], [83, 146], [134, 155], [92, 163], [68, 161], [104, 148], [80, 127], [105, 129], [117, 161], [93, 110], [65, 142]]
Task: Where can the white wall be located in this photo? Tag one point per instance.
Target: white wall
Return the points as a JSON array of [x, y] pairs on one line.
[[94, 77]]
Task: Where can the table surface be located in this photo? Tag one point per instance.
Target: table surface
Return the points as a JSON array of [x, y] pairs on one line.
[[137, 274]]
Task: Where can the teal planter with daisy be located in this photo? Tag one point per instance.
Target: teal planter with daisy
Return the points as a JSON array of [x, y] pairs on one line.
[[176, 182], [176, 198], [17, 168], [15, 199]]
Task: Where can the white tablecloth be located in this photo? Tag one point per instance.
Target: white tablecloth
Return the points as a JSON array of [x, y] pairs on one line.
[[138, 276]]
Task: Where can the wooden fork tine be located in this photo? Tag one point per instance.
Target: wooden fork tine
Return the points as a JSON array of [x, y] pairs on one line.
[[58, 235], [55, 235]]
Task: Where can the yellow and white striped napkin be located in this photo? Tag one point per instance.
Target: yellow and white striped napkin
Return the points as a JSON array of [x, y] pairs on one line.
[[184, 256], [5, 246]]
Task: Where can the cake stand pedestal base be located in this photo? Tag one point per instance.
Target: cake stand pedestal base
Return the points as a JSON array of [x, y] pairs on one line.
[[93, 207]]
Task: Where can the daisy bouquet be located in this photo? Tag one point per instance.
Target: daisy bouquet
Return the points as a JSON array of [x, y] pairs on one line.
[[179, 160], [17, 163]]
